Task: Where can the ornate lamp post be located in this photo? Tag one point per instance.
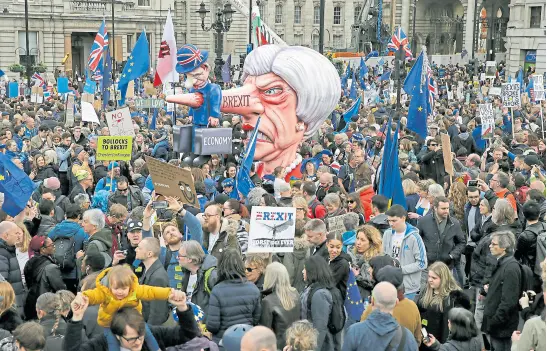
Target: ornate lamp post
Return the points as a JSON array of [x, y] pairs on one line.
[[220, 25]]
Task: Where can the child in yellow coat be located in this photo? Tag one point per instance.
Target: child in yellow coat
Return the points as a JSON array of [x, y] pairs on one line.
[[118, 287]]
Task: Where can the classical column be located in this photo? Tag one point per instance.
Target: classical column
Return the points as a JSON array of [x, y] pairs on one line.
[[405, 17], [469, 26]]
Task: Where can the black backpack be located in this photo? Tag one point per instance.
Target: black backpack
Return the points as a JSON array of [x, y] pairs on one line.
[[65, 254], [337, 317]]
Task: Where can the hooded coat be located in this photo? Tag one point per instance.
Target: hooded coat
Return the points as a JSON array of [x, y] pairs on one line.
[[294, 262], [9, 269], [109, 304], [101, 242]]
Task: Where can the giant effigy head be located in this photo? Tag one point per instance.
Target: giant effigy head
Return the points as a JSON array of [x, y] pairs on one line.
[[293, 89]]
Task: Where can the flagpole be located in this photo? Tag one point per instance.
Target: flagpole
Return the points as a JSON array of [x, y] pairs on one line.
[[113, 57]]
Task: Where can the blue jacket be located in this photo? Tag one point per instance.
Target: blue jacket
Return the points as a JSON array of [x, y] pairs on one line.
[[174, 270], [480, 142], [63, 156], [69, 228], [375, 333], [102, 185], [232, 302]]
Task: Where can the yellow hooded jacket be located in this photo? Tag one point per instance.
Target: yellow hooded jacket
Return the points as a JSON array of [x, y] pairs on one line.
[[109, 304]]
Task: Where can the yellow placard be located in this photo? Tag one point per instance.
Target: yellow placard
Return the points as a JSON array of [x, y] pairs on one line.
[[114, 148]]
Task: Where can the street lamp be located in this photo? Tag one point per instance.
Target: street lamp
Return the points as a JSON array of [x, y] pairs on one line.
[[220, 25]]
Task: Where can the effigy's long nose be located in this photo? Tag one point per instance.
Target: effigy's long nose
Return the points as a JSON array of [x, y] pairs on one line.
[[242, 101]]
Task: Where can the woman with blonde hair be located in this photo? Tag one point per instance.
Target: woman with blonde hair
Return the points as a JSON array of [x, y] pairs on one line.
[[9, 318], [440, 295], [280, 302], [458, 198], [301, 336], [301, 206], [21, 249], [40, 169], [368, 244], [423, 205], [410, 189]]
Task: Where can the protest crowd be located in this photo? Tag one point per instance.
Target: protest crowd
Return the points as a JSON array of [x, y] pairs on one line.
[[409, 234]]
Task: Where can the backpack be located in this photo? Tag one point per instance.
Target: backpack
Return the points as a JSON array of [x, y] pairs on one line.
[[398, 339], [313, 206], [337, 317], [206, 279], [540, 253], [65, 254], [526, 278]]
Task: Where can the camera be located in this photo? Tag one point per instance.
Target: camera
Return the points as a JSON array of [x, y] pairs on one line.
[[425, 335], [124, 252], [159, 205], [472, 182]]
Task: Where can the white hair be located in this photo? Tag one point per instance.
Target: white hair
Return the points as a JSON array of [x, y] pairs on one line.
[[312, 76], [95, 217]]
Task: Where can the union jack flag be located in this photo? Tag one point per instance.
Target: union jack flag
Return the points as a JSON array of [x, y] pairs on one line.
[[432, 86], [397, 39], [194, 55], [38, 80], [101, 41]]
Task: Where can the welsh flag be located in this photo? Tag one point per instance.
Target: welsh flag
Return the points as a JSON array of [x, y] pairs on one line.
[[167, 57], [258, 37]]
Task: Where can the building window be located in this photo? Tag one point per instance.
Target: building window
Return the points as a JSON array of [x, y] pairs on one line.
[[298, 14], [535, 17], [32, 46], [129, 42], [278, 14], [337, 41], [316, 14], [356, 12], [144, 3], [315, 42], [337, 14], [298, 39], [262, 10]]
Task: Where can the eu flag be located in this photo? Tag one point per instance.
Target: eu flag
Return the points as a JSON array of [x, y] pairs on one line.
[[353, 89], [417, 111], [414, 75], [107, 79], [16, 186], [385, 156], [392, 187], [385, 76], [352, 111], [137, 64], [520, 79], [363, 69], [244, 183], [2, 73], [354, 303]]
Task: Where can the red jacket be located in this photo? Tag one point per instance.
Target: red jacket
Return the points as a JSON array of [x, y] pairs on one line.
[[319, 212], [366, 195]]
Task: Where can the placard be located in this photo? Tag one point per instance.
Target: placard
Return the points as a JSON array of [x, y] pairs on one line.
[[88, 98], [510, 94], [272, 229], [13, 89], [62, 85], [539, 89], [130, 90], [447, 154], [114, 148], [494, 91], [149, 88], [119, 122], [490, 69], [69, 111], [336, 224], [88, 113], [170, 180], [149, 103], [486, 114]]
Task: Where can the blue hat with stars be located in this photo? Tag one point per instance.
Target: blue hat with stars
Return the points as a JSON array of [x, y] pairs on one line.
[[189, 57], [357, 137], [228, 182]]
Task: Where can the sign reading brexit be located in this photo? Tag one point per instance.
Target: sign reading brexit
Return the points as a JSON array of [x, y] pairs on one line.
[[272, 229], [114, 148]]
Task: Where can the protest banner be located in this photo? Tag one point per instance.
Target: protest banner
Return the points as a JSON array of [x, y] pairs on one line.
[[494, 91], [510, 94], [114, 148], [13, 89], [88, 98], [69, 111], [149, 88], [447, 154], [62, 85], [486, 114], [88, 113], [490, 69], [37, 95], [171, 180], [539, 89], [272, 229], [120, 123], [336, 224], [149, 103]]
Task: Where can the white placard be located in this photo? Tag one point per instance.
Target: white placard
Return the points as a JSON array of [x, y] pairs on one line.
[[539, 89], [119, 122], [490, 69], [69, 111], [494, 91], [88, 113], [486, 113], [272, 229], [510, 94]]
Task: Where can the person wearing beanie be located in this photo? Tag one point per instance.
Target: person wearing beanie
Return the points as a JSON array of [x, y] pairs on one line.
[[406, 311], [84, 184], [41, 273], [80, 162]]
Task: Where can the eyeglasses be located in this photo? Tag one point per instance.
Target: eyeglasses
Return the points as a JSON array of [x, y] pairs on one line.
[[133, 340], [301, 209], [205, 215], [122, 190], [433, 144], [351, 201]]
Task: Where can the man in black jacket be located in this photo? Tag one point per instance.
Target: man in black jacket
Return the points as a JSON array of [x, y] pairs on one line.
[[9, 266], [128, 327], [148, 251], [501, 316], [442, 234], [432, 162], [316, 232], [528, 240]]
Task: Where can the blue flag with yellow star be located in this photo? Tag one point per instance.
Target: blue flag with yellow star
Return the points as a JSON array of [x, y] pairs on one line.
[[417, 111], [138, 63], [414, 75], [16, 186], [354, 303]]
